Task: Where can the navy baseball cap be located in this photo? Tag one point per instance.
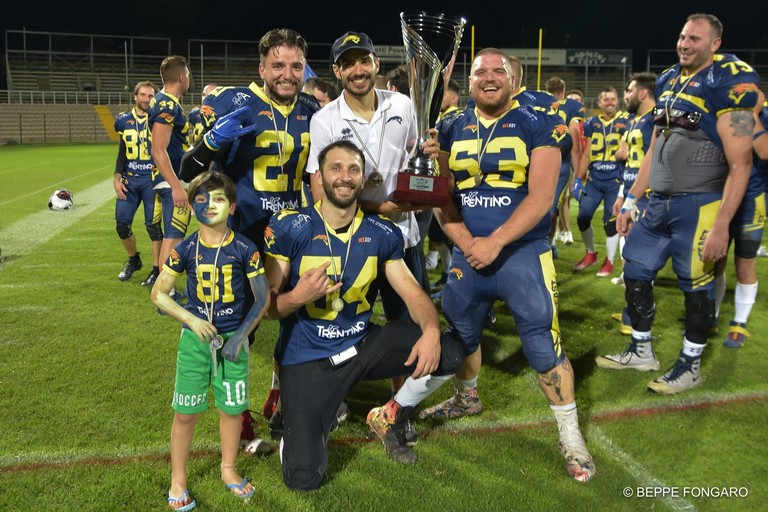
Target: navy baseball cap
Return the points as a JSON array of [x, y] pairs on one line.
[[351, 41]]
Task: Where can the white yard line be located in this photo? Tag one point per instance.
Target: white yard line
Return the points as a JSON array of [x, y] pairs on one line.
[[61, 184], [24, 235]]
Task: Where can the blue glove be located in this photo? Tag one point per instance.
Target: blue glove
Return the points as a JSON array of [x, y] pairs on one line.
[[229, 128], [578, 189]]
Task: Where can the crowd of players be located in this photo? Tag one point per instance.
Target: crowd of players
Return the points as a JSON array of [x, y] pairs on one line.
[[311, 174]]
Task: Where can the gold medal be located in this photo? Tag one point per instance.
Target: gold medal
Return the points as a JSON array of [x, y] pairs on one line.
[[375, 180], [217, 342], [667, 132], [337, 305]]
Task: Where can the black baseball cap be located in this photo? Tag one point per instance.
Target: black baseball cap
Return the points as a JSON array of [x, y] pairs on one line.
[[351, 41]]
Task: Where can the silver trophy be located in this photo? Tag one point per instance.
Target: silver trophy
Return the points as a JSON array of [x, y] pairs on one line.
[[431, 42]]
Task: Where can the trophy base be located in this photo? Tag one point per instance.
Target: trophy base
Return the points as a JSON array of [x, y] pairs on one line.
[[420, 189]]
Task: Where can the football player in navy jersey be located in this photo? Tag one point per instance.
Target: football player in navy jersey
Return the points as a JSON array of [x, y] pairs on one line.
[[505, 163], [573, 113], [603, 133], [698, 169], [133, 183], [639, 100], [266, 153], [746, 233], [169, 128], [216, 321], [321, 263], [195, 118]]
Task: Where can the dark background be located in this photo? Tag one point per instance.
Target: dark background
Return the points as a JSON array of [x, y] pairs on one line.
[[597, 24]]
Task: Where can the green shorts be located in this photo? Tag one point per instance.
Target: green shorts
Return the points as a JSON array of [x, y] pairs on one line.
[[194, 376]]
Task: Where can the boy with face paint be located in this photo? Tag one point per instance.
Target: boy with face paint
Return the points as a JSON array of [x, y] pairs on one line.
[[216, 323]]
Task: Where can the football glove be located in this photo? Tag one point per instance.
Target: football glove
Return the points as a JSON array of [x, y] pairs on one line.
[[578, 189], [229, 128]]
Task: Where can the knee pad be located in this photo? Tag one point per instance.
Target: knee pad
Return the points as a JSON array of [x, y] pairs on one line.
[[583, 222], [640, 304], [155, 232], [123, 230], [610, 227], [699, 312]]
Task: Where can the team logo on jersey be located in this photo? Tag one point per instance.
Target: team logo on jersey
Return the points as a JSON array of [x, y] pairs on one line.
[[508, 125], [267, 113], [301, 118], [166, 116], [322, 238], [559, 132], [206, 111], [269, 236], [396, 118], [739, 91], [472, 127], [621, 126], [130, 122], [457, 273], [364, 240], [240, 98], [254, 262], [174, 258], [300, 220]]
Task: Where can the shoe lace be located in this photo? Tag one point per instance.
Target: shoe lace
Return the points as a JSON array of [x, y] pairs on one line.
[[681, 366]]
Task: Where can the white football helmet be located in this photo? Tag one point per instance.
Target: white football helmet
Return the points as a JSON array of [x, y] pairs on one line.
[[61, 199]]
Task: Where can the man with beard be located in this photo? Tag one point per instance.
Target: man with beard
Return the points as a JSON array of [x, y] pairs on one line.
[[321, 262], [133, 183], [505, 162], [260, 137], [603, 132], [383, 125], [700, 157]]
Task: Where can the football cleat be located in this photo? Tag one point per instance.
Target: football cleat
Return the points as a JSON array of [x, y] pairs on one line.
[[567, 238], [151, 278], [249, 441], [762, 252], [132, 265], [635, 357], [626, 323], [606, 269], [580, 464], [388, 423], [684, 375], [270, 404], [737, 335], [589, 259], [462, 403], [411, 436], [618, 281]]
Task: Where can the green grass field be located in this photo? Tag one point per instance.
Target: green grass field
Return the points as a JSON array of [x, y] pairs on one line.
[[87, 371]]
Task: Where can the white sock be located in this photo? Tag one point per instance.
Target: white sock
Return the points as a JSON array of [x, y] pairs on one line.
[[445, 256], [719, 293], [691, 349], [431, 260], [588, 237], [416, 390], [744, 299], [612, 245], [641, 336], [565, 414]]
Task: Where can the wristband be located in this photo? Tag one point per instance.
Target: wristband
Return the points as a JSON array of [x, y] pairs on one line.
[[630, 203], [759, 134]]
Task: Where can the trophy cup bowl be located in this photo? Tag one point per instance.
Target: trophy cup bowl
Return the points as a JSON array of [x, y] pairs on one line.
[[431, 42]]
